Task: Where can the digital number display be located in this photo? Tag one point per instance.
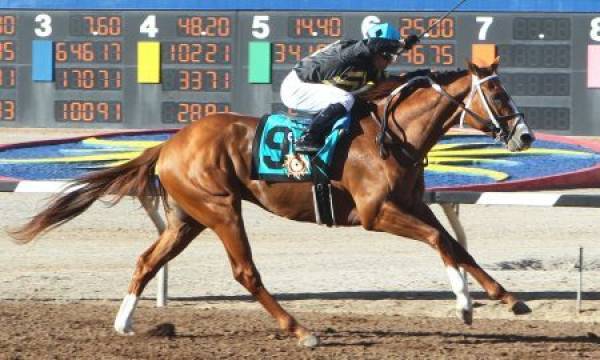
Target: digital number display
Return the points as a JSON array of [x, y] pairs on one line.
[[8, 110], [204, 26], [534, 84], [196, 53], [547, 118], [8, 51], [87, 111], [205, 64], [8, 25], [87, 52], [93, 25], [88, 79], [291, 53], [541, 28], [187, 112], [8, 77], [196, 80], [417, 25], [429, 55], [535, 56], [315, 26]]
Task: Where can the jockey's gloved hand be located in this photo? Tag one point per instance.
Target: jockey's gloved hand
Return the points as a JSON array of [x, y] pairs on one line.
[[380, 46], [410, 41]]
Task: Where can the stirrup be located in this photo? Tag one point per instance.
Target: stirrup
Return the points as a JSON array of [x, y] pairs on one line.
[[307, 148], [304, 145]]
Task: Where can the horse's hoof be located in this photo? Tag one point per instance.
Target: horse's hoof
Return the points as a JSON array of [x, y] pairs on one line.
[[309, 341], [465, 315], [125, 332], [520, 308], [124, 329]]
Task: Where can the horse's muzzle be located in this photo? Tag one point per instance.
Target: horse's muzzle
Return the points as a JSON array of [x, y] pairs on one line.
[[521, 139]]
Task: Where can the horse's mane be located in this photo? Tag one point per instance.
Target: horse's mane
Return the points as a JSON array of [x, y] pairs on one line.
[[384, 88]]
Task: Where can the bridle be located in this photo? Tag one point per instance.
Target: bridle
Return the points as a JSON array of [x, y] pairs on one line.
[[496, 124]]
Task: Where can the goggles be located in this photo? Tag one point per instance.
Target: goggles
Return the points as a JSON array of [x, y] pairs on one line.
[[389, 56]]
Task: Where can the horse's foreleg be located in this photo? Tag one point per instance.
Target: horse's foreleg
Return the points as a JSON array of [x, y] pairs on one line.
[[494, 290], [235, 240], [393, 220], [180, 231]]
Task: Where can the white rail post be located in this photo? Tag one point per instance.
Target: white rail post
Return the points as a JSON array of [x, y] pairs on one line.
[[580, 280], [452, 212], [162, 287], [162, 277]]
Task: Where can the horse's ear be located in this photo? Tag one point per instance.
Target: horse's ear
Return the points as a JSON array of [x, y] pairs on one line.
[[495, 64], [474, 69]]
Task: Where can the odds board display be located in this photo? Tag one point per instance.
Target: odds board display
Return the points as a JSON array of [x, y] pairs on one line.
[[167, 68]]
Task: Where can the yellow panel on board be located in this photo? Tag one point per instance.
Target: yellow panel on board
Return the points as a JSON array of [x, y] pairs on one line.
[[148, 62]]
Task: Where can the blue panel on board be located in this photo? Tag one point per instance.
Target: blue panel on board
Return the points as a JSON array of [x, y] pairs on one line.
[[42, 67]]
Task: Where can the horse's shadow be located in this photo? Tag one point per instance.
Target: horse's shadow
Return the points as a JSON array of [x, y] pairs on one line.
[[393, 295], [342, 338], [374, 337]]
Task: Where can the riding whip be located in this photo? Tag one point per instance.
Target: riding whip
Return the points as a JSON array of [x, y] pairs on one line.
[[440, 19]]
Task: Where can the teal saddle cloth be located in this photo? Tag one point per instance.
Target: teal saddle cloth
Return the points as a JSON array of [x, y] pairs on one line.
[[274, 157]]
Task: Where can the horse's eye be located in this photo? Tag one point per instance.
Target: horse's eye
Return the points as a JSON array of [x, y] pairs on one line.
[[497, 101]]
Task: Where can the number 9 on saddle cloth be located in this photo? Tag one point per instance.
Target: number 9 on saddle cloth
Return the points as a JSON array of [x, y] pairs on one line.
[[275, 159]]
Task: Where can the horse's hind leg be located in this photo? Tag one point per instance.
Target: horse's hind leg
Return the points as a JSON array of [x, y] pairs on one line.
[[180, 231]]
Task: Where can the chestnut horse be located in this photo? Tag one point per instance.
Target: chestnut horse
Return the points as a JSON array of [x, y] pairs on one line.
[[205, 173]]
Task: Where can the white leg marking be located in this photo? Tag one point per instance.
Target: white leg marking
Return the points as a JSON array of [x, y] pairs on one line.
[[459, 287], [123, 321]]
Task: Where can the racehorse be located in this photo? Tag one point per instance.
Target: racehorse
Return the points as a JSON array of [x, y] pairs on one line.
[[204, 173]]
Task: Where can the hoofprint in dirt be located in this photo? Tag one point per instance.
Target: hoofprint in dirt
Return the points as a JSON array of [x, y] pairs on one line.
[[35, 330]]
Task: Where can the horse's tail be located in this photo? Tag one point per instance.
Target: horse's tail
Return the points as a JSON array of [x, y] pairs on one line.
[[136, 177]]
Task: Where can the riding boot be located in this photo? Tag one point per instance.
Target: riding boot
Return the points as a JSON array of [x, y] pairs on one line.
[[313, 138]]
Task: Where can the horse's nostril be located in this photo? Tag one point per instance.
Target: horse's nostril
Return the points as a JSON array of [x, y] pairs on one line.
[[526, 139]]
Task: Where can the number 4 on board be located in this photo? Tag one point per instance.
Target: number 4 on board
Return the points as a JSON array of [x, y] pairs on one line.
[[148, 27]]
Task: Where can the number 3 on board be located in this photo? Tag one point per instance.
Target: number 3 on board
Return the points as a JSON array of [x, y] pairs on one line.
[[44, 27], [595, 31]]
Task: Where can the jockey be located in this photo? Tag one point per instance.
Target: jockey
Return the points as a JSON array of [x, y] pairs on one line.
[[322, 83]]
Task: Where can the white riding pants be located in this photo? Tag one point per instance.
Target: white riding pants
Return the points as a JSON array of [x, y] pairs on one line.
[[310, 97]]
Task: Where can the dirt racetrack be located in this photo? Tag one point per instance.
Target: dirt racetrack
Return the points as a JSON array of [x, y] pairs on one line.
[[368, 295], [37, 330]]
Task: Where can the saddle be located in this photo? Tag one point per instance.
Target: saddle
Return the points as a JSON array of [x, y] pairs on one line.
[[274, 158]]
